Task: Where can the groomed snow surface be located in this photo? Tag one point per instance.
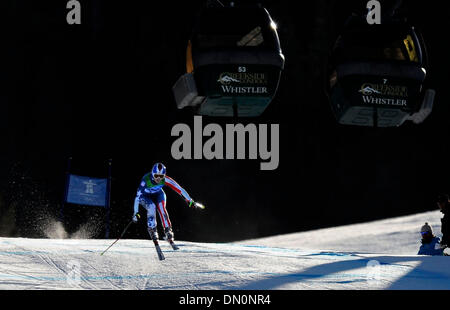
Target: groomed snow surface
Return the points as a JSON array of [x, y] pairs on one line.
[[379, 255]]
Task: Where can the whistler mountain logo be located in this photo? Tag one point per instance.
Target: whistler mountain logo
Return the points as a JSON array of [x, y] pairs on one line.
[[384, 90], [245, 78], [369, 91], [226, 79], [248, 83], [384, 94]]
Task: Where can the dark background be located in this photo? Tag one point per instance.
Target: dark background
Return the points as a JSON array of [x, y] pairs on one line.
[[102, 90]]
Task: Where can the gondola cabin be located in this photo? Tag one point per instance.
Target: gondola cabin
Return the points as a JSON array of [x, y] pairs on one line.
[[233, 63], [377, 75]]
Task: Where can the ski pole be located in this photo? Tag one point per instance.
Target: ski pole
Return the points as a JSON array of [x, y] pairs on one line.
[[123, 233]]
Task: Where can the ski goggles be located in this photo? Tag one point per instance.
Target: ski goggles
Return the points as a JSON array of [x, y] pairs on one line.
[[159, 176], [424, 232]]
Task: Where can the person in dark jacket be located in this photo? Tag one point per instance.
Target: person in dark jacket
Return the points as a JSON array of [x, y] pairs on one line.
[[430, 243], [443, 203]]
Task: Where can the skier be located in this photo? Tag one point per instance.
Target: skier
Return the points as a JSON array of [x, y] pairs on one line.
[[443, 203], [430, 243], [151, 196]]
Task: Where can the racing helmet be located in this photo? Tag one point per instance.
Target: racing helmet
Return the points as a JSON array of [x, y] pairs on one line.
[[158, 172]]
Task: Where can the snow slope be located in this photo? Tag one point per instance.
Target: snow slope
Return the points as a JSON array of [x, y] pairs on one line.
[[334, 258], [398, 236]]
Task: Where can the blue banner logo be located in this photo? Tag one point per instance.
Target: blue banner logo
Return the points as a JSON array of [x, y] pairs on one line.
[[87, 191]]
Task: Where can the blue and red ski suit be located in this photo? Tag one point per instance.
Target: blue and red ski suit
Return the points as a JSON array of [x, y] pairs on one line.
[[153, 198]]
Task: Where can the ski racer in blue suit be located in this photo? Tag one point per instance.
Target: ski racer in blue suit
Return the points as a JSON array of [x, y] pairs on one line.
[[152, 197]]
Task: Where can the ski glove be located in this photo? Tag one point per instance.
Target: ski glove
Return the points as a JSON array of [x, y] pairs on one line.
[[195, 205], [136, 217]]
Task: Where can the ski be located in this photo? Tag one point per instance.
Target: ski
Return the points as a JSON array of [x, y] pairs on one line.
[[158, 250], [173, 245], [160, 253]]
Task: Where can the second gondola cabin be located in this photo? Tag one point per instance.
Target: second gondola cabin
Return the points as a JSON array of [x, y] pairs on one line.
[[233, 63], [377, 75]]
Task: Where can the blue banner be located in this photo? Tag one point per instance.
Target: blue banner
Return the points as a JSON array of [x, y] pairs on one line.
[[87, 191]]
